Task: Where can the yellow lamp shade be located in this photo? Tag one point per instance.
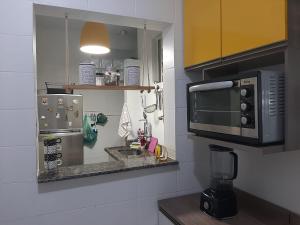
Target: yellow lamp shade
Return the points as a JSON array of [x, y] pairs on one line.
[[94, 38]]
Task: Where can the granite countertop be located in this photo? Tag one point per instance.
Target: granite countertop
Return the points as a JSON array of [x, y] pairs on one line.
[[122, 163]]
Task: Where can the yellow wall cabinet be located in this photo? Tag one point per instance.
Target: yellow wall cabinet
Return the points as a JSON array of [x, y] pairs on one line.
[[220, 28], [202, 31], [249, 24]]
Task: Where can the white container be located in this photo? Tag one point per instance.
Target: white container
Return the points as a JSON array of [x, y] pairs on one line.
[[87, 73], [131, 72], [100, 81]]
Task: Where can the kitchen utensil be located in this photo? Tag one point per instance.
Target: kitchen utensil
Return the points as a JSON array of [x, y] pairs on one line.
[[152, 144], [53, 88], [87, 73], [131, 72], [101, 119], [70, 147], [52, 158], [89, 133], [100, 81], [157, 151], [219, 199], [149, 108], [164, 154]]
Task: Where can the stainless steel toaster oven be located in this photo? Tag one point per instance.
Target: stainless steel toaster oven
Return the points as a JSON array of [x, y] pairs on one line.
[[246, 108]]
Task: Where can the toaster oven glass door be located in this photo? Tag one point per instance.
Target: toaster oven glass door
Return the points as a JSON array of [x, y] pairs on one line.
[[216, 110]]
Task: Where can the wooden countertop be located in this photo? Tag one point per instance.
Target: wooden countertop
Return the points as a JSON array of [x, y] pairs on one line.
[[185, 210]]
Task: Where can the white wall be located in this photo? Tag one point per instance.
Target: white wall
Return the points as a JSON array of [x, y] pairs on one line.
[[274, 177], [118, 199], [133, 98], [96, 102]]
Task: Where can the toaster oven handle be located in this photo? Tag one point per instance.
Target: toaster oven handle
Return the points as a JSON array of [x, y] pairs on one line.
[[211, 86]]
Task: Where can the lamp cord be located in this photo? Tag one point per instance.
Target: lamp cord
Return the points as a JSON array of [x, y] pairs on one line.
[[67, 60], [145, 58]]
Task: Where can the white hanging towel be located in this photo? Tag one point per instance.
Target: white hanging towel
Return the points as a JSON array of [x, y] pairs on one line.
[[125, 122]]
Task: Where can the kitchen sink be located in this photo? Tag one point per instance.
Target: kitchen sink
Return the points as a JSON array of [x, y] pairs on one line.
[[128, 152]]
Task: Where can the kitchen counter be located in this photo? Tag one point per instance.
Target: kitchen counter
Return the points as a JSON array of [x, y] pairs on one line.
[[185, 210], [121, 163]]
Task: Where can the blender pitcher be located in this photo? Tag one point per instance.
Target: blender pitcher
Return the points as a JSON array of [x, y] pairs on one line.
[[219, 199], [223, 163]]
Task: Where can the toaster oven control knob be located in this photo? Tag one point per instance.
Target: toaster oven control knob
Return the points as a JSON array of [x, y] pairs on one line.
[[245, 120], [244, 92], [244, 106]]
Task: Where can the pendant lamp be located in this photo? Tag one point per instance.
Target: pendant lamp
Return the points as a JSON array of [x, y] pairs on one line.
[[94, 38]]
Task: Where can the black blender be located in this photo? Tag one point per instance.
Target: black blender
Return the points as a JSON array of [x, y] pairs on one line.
[[219, 199]]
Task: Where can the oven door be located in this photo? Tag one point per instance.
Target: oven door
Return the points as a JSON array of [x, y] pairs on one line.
[[214, 107]]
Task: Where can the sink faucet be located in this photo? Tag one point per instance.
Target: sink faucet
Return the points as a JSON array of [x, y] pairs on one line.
[[147, 130]]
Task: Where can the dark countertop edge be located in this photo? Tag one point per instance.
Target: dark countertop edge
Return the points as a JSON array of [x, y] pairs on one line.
[[97, 173], [171, 218]]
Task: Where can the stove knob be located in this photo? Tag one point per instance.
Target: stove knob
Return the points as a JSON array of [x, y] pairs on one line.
[[245, 120], [206, 205], [244, 106], [244, 92]]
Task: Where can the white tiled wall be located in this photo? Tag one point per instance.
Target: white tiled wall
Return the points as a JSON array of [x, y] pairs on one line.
[[192, 155], [118, 199], [155, 10], [13, 49], [74, 4], [20, 26], [124, 8], [13, 95]]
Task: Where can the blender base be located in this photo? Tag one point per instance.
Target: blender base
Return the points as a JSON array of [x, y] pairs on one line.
[[218, 204]]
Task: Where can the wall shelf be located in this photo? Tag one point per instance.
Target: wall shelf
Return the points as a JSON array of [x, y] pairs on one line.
[[109, 88], [263, 149]]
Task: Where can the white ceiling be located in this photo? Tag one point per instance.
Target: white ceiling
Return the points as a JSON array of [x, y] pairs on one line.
[[53, 22], [83, 15]]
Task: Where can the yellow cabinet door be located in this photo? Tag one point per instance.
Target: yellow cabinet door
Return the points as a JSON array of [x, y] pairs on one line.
[[249, 24], [202, 31]]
